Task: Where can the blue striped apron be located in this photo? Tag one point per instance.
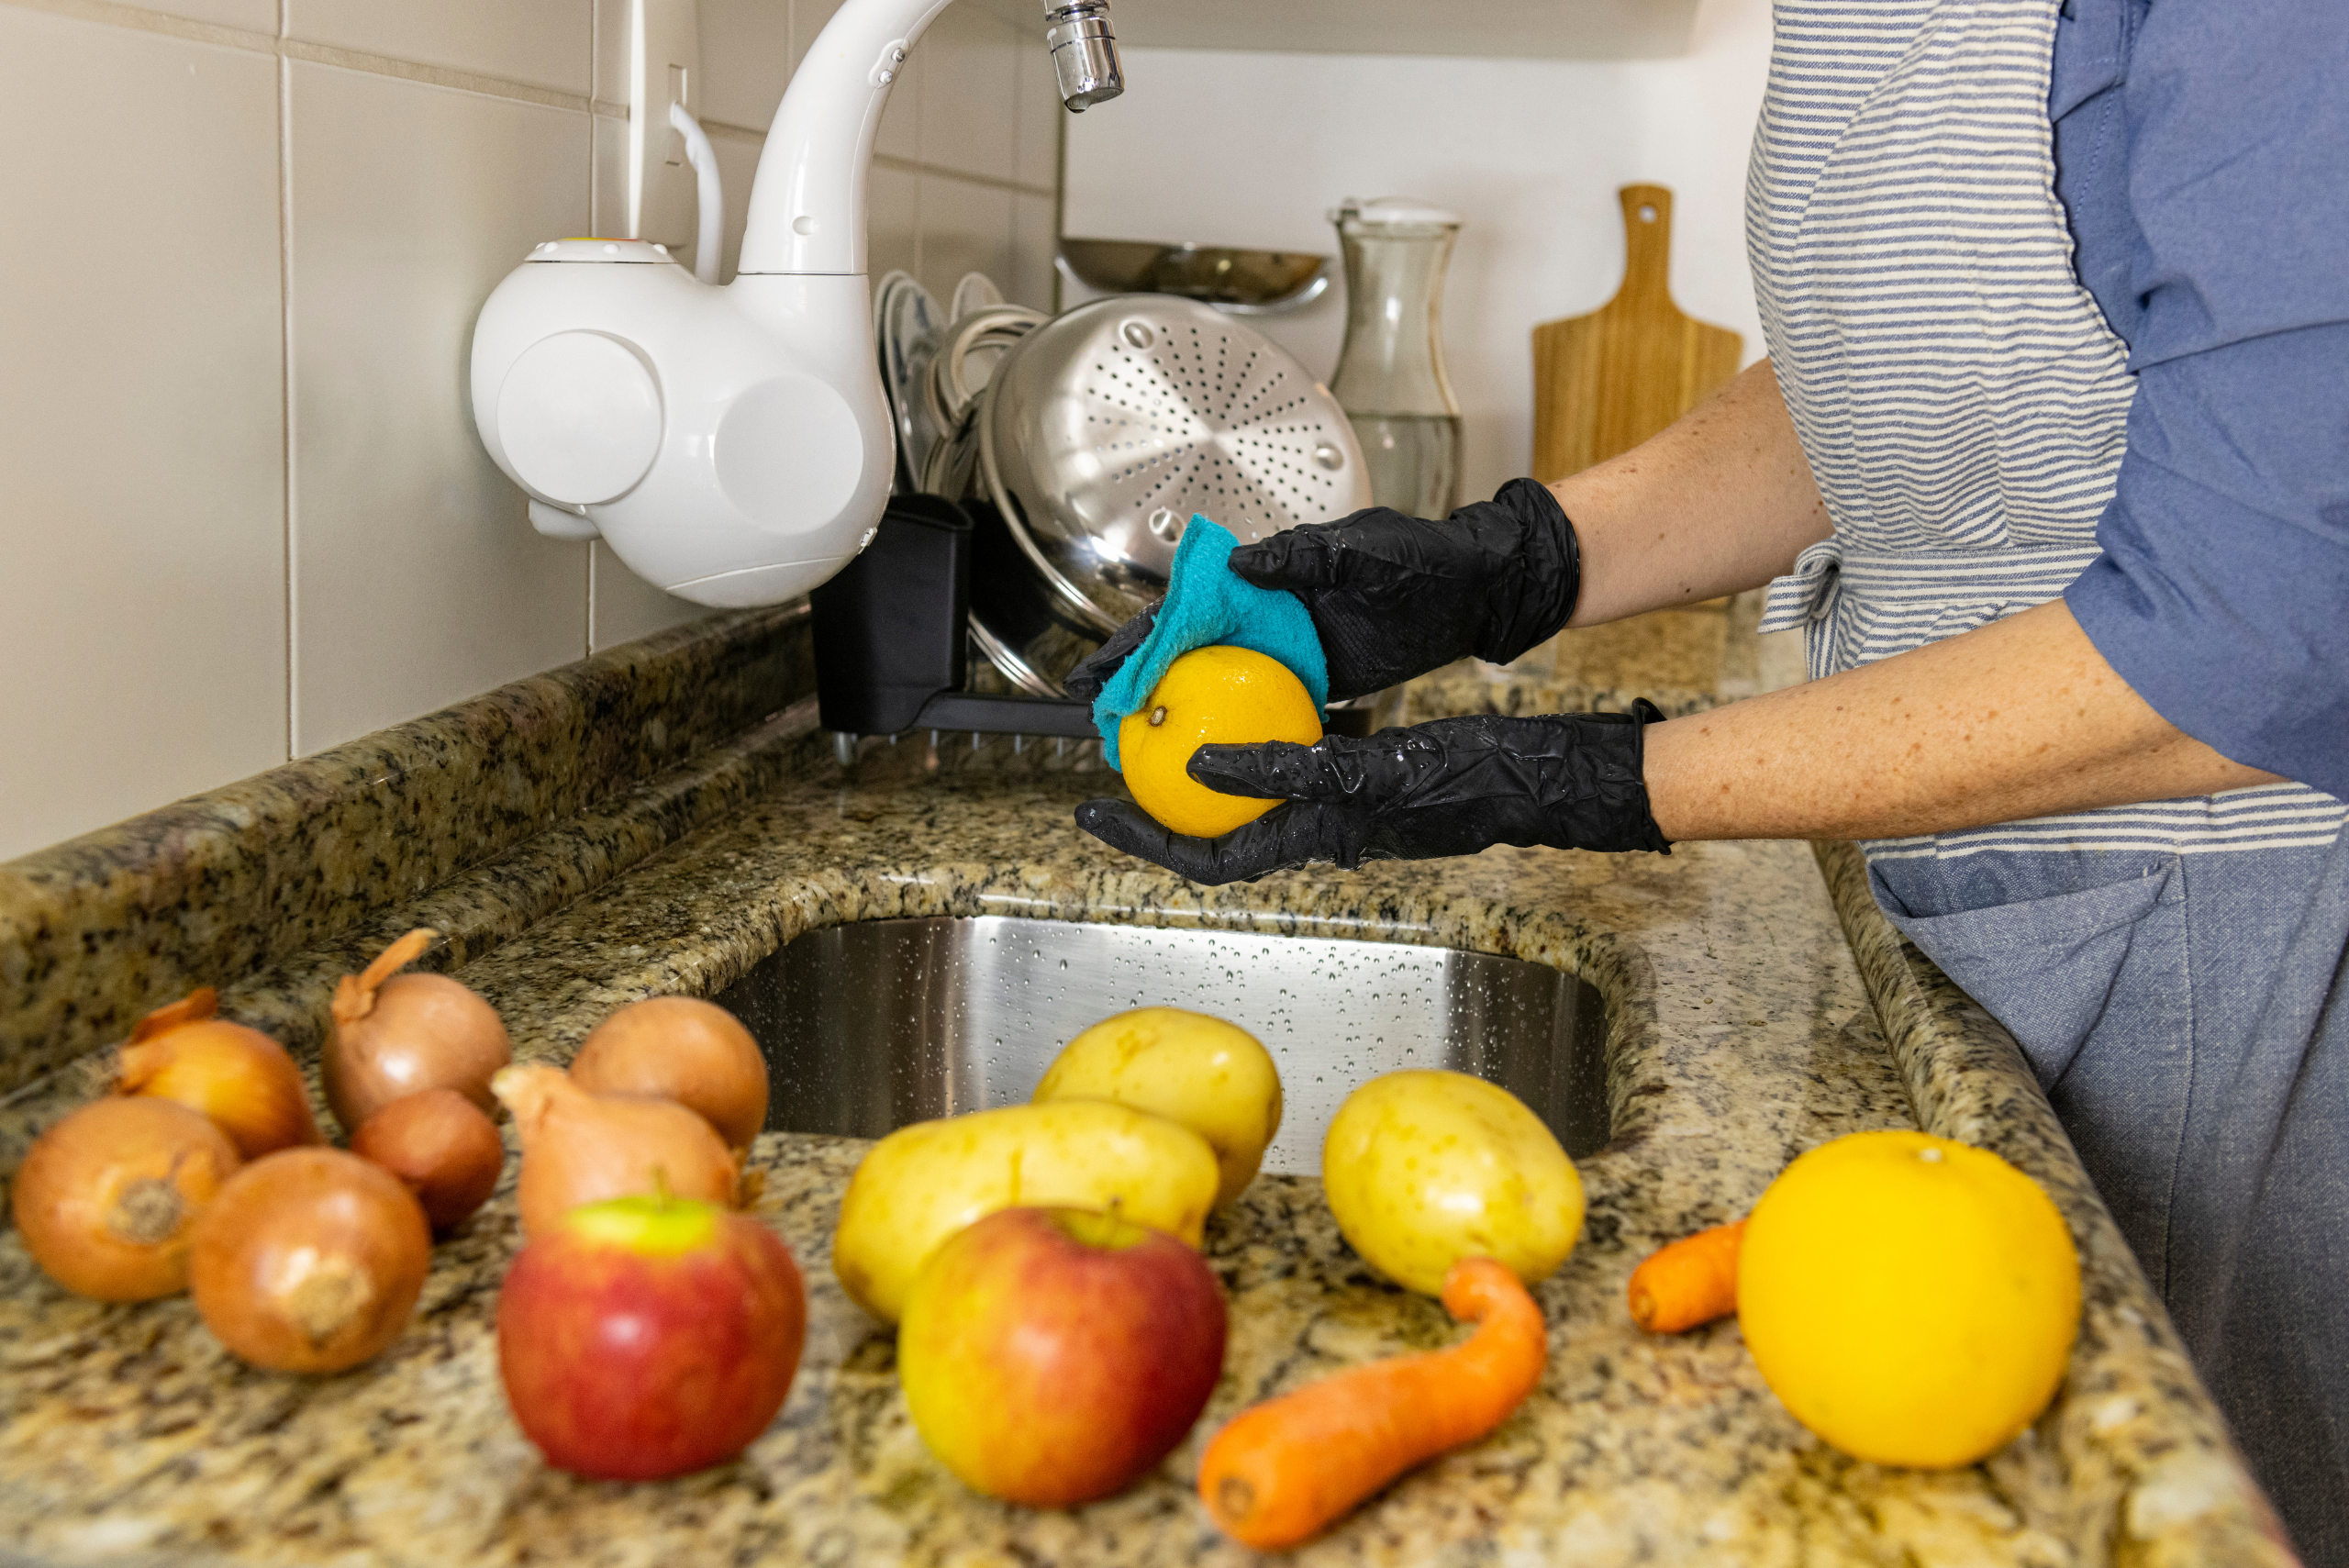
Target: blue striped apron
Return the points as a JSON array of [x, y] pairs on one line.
[[2166, 967]]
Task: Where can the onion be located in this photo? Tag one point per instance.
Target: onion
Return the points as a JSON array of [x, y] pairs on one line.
[[106, 1197], [394, 1038], [680, 1049], [237, 1076], [582, 1148], [443, 1145], [310, 1260]]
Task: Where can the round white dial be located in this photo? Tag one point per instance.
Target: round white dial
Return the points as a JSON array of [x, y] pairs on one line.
[[579, 415]]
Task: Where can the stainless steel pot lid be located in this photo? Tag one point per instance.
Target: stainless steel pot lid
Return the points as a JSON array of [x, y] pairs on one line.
[[1106, 427]]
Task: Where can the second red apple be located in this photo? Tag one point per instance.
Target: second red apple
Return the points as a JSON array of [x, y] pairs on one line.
[[1053, 1356]]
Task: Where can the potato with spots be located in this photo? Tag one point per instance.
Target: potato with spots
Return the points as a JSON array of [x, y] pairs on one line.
[[1422, 1168], [1212, 1077], [924, 1184]]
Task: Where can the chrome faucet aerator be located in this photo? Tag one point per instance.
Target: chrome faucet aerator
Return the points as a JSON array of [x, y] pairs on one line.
[[1084, 52]]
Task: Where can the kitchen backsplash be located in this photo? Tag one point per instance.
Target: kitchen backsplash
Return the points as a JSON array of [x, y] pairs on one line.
[[246, 515]]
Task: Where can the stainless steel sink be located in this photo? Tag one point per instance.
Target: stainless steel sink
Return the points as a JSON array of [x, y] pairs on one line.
[[871, 1026]]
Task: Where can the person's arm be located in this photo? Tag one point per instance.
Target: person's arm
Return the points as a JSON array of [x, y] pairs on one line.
[[2018, 718], [1721, 500]]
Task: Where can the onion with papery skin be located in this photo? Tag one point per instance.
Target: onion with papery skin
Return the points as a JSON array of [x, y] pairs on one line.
[[582, 1148], [443, 1145], [681, 1049], [396, 1035], [237, 1076], [105, 1198], [310, 1260]]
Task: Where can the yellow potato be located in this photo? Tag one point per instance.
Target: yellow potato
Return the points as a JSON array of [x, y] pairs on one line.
[[924, 1182], [1211, 1076], [1422, 1168]]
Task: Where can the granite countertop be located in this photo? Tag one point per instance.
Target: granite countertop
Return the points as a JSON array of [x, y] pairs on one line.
[[1757, 1006]]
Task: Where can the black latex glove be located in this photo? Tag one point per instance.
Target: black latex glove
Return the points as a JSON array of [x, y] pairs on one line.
[[1395, 596], [1093, 671], [1450, 787]]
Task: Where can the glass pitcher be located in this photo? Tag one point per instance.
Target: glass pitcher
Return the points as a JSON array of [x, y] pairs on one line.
[[1390, 377]]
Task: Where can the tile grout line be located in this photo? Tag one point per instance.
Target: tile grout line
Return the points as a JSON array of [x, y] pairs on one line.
[[595, 226], [286, 382], [137, 18]]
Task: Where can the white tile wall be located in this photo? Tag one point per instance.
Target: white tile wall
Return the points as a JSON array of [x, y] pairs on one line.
[[187, 598], [252, 16], [417, 580], [610, 52], [1036, 114], [966, 57], [893, 222], [742, 82], [1034, 237], [541, 43], [142, 556], [965, 228]]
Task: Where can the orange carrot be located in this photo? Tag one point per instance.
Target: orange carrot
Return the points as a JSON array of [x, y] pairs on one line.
[[1692, 1281], [1284, 1470]]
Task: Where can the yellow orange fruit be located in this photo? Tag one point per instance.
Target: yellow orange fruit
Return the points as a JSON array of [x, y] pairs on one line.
[[1910, 1299], [1223, 696]]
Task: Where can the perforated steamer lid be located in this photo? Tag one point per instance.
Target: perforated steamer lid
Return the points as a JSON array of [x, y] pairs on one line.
[[1107, 427]]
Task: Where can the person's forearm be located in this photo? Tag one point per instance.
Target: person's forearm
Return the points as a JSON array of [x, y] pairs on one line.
[[1719, 501], [2018, 718]]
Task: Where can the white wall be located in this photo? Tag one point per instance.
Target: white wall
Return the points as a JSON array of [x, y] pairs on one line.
[[243, 513], [1252, 149]]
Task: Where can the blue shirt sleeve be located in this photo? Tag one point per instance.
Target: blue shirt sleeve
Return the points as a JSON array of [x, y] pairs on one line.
[[2202, 153]]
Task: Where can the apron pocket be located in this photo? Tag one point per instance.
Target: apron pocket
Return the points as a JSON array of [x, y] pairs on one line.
[[2046, 968]]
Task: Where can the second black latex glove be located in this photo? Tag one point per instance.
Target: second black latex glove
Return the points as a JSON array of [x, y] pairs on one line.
[[1450, 787], [1395, 596]]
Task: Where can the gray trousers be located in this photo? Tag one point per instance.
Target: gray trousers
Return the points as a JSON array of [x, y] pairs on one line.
[[2189, 1017]]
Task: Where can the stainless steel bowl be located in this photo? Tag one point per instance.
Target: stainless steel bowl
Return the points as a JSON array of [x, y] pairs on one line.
[[1104, 429]]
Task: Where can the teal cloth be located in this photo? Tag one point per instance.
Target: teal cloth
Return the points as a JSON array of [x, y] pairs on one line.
[[1206, 606]]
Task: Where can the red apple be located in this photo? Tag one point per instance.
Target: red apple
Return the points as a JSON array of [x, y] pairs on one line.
[[649, 1336], [1054, 1355]]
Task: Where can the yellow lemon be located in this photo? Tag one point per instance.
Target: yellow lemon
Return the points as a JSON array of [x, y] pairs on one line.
[[1225, 696], [1912, 1300]]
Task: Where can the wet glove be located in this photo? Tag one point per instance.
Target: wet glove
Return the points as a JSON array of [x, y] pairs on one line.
[[1393, 596], [1450, 787]]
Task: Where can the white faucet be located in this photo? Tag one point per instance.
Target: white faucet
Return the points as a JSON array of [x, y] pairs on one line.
[[731, 444]]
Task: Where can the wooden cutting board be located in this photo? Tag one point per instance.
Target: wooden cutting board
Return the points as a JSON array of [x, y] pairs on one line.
[[1605, 381]]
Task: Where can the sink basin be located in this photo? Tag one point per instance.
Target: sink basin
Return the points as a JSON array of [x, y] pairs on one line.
[[871, 1026]]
